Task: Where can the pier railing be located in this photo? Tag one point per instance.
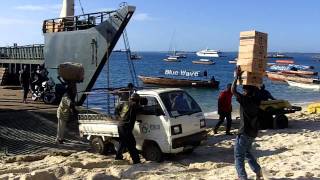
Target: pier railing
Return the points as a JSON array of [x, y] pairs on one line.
[[74, 23], [29, 52]]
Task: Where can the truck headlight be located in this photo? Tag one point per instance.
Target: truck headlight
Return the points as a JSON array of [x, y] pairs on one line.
[[202, 123], [176, 129]]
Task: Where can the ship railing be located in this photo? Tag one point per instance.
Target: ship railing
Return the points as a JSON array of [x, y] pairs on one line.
[[74, 23], [30, 52]]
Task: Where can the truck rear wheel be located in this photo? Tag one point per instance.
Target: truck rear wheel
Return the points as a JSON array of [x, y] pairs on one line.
[[281, 121], [152, 152], [98, 145]]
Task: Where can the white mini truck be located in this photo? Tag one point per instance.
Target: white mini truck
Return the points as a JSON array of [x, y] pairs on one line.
[[170, 122]]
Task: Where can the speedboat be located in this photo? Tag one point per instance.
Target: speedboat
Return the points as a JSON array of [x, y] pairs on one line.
[[172, 59], [203, 61], [208, 53], [233, 61]]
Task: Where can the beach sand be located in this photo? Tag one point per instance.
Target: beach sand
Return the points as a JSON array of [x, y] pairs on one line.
[[291, 153]]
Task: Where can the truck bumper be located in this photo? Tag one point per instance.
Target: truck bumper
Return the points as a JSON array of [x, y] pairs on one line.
[[193, 140]]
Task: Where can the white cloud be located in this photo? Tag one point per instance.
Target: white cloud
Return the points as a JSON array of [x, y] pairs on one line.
[[15, 21], [142, 17], [45, 7]]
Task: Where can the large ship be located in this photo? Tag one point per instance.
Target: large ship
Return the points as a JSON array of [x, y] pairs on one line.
[[87, 39], [208, 53]]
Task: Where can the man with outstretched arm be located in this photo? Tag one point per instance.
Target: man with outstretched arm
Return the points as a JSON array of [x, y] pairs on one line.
[[248, 130]]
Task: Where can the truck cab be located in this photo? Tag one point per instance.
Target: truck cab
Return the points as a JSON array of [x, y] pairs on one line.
[[170, 122]]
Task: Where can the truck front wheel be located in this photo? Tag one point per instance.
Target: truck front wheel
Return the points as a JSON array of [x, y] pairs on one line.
[[152, 152], [97, 145]]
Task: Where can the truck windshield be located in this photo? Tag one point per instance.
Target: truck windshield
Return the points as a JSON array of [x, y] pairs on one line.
[[179, 103]]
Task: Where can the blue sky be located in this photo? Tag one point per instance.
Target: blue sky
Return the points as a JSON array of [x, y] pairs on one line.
[[292, 25]]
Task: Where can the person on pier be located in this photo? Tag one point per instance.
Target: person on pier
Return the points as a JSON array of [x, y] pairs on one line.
[[25, 82]]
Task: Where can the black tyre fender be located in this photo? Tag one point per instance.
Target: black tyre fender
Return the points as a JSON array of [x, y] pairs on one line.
[[269, 109], [281, 121], [152, 152], [98, 146], [109, 148], [49, 98]]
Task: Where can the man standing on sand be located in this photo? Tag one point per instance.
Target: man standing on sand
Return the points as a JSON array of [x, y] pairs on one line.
[[25, 82], [127, 112], [65, 111], [224, 109], [248, 130]]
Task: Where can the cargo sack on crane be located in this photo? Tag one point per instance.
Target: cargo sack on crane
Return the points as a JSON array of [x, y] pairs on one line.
[[70, 71]]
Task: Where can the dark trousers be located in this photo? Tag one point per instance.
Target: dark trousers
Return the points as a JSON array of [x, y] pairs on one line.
[[128, 141], [222, 116], [25, 90]]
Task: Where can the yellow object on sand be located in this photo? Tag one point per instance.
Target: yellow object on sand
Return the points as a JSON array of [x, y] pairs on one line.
[[314, 108]]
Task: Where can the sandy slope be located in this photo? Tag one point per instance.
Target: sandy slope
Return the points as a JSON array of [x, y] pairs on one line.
[[292, 153]]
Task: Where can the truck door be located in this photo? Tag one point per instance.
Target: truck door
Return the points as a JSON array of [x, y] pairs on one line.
[[150, 124]]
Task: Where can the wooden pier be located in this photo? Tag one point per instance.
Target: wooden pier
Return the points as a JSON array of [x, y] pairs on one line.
[[13, 58]]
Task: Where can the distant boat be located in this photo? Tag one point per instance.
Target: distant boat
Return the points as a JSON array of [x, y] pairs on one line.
[[278, 76], [172, 59], [135, 56], [233, 61], [287, 61], [299, 72], [180, 55], [279, 55], [305, 85], [204, 61], [290, 67], [208, 53], [162, 81]]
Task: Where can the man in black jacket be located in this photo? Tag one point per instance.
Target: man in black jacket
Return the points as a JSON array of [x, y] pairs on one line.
[[127, 112], [248, 130]]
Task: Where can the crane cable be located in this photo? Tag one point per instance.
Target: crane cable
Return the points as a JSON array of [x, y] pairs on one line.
[[81, 7]]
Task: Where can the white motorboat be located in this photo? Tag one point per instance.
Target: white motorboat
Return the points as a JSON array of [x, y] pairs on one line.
[[172, 59], [208, 53], [315, 86], [203, 61]]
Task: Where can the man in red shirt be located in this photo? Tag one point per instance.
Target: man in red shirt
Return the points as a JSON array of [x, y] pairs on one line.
[[224, 109]]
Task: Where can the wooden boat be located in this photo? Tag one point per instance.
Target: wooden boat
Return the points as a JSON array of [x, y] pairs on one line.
[[304, 85], [278, 76], [285, 61], [179, 82], [204, 61], [307, 73]]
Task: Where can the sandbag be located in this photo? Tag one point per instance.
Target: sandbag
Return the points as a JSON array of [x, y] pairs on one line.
[[70, 71]]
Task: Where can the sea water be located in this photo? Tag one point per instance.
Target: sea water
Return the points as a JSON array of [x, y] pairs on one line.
[[152, 64]]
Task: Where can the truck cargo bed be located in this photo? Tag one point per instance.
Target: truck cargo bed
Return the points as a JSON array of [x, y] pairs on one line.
[[97, 125]]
